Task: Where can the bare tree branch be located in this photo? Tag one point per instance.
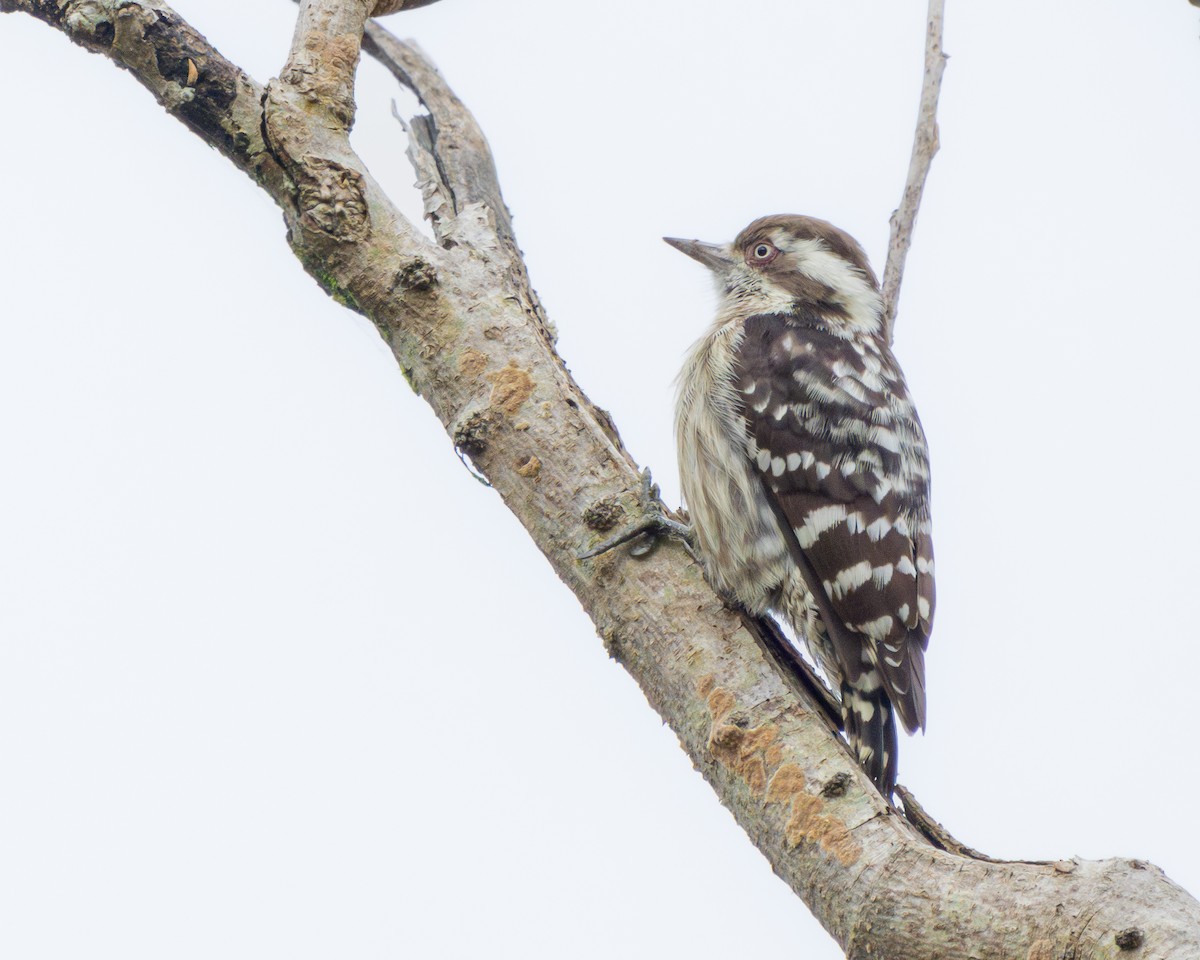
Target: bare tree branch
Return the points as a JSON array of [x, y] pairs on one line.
[[458, 319], [925, 145], [324, 55], [453, 160], [448, 134]]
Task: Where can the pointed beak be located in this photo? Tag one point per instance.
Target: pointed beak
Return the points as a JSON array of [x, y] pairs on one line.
[[715, 256]]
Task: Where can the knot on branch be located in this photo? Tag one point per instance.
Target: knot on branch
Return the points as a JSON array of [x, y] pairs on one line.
[[836, 785], [472, 433], [604, 514], [1130, 938], [332, 200], [89, 19], [416, 274]]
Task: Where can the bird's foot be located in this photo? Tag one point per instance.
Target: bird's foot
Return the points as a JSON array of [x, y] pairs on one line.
[[651, 527]]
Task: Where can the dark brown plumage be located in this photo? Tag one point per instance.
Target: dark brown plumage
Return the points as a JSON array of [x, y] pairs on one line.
[[805, 468]]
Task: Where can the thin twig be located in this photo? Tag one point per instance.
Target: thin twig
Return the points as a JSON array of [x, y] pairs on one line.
[[938, 835], [925, 145]]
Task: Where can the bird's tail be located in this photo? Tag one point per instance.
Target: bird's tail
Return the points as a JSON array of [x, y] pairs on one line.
[[871, 730]]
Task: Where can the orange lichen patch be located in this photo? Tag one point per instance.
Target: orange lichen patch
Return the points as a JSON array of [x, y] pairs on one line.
[[511, 387], [741, 748], [1041, 950], [789, 785], [720, 703], [471, 363], [530, 468], [751, 753], [789, 780]]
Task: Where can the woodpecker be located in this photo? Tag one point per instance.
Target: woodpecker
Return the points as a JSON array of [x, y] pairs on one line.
[[805, 470]]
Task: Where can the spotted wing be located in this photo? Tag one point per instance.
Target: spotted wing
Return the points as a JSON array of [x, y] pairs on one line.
[[839, 447]]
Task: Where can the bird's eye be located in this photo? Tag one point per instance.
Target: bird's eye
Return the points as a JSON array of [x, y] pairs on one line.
[[763, 252]]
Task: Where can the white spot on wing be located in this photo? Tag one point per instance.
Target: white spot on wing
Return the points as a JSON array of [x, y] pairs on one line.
[[851, 579], [877, 629], [885, 438], [817, 522], [865, 711]]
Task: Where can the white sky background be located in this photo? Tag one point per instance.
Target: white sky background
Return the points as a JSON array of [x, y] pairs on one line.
[[279, 678]]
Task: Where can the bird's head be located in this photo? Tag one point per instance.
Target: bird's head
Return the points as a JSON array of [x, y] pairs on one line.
[[797, 266]]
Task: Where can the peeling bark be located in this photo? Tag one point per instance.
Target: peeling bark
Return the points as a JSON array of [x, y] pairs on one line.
[[470, 336]]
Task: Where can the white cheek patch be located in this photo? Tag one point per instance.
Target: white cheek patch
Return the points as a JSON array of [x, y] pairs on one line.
[[743, 292], [861, 300]]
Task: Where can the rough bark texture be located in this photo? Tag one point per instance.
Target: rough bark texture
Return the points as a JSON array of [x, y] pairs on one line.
[[470, 337]]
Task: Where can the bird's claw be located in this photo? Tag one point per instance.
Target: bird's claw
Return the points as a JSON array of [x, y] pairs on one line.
[[649, 529]]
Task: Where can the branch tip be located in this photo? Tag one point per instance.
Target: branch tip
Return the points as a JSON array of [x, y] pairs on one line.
[[925, 146]]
